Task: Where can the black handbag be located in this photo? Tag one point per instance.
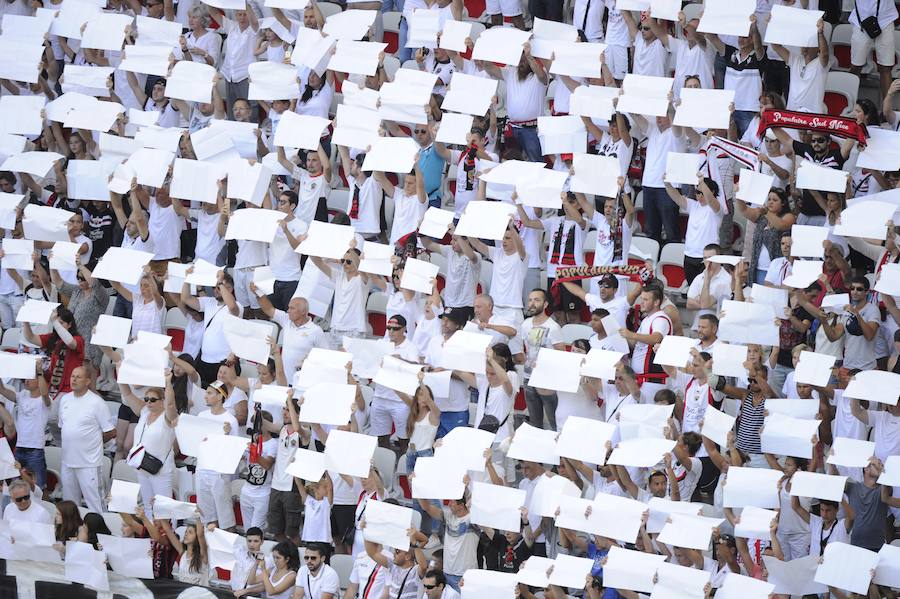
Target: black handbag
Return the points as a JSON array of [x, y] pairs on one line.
[[870, 24], [149, 462]]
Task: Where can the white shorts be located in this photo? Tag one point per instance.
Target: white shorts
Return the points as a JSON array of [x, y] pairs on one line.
[[385, 412], [616, 58], [508, 8], [861, 46]]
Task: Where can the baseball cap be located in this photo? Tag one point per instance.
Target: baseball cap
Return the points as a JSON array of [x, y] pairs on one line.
[[397, 320], [456, 315]]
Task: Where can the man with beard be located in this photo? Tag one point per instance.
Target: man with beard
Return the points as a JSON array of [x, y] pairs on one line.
[[536, 331]]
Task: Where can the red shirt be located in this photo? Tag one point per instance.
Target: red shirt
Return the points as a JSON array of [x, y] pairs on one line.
[[73, 359]]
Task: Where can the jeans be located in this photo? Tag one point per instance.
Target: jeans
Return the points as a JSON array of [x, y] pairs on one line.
[[123, 307], [33, 460], [760, 276], [282, 292], [538, 405], [451, 420], [403, 53], [777, 376], [742, 119], [9, 307], [453, 580], [662, 213], [528, 140]]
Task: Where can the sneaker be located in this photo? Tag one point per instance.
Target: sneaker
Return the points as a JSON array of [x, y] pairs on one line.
[[433, 542]]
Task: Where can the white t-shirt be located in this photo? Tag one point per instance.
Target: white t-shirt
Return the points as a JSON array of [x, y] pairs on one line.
[[836, 533], [462, 278], [287, 445], [34, 513], [311, 189], [458, 400], [82, 421], [604, 250], [283, 260], [659, 144], [298, 341], [408, 213], [507, 278], [649, 58], [165, 230], [807, 90], [702, 227], [367, 218], [31, 420], [313, 585], [350, 296], [617, 307], [524, 99], [534, 337], [657, 322], [215, 347]]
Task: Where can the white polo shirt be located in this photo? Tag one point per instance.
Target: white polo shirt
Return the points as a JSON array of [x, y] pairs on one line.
[[298, 341], [314, 585], [82, 422]]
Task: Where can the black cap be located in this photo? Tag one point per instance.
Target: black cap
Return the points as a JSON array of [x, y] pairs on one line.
[[609, 280], [457, 315]]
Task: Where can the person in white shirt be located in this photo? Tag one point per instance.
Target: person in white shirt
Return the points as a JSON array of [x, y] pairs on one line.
[[301, 334], [809, 69], [351, 292], [704, 218], [22, 506], [537, 331], [284, 261], [215, 309], [410, 201], [436, 587], [602, 338], [246, 562], [655, 325], [311, 184], [32, 412], [387, 408], [510, 265], [607, 298], [364, 197], [214, 488], [650, 55], [710, 287], [486, 321], [85, 426], [463, 269], [316, 579], [367, 578], [238, 50]]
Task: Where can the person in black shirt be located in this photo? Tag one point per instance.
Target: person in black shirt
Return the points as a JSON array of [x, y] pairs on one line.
[[98, 227], [814, 146], [505, 551]]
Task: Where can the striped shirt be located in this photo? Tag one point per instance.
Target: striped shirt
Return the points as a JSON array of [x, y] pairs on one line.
[[749, 423]]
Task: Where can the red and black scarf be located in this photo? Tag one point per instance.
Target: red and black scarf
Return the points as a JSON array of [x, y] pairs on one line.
[[823, 123]]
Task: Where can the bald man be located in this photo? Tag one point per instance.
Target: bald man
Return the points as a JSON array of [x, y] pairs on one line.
[[301, 334], [85, 424]]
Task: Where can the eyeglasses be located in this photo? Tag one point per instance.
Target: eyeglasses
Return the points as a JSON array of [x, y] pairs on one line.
[[22, 499]]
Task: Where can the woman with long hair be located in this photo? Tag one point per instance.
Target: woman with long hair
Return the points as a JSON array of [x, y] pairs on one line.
[[279, 579], [68, 521], [64, 347], [94, 525], [185, 379], [773, 221], [193, 566], [422, 422]]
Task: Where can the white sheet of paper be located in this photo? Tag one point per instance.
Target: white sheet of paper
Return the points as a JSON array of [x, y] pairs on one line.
[[500, 44], [221, 453], [559, 134], [888, 281], [753, 187], [793, 26], [557, 370], [496, 507], [678, 582], [851, 453], [376, 259], [355, 126], [419, 275], [367, 354], [601, 364], [891, 474], [577, 59], [128, 556], [386, 524], [360, 58], [454, 128], [693, 532], [122, 265], [112, 331], [794, 577], [436, 222], [807, 241], [349, 453], [454, 34], [617, 517], [326, 240], [748, 323], [391, 155], [543, 190], [247, 340], [704, 108], [328, 403], [887, 571], [151, 60], [7, 461], [533, 572], [642, 453], [576, 429], [123, 496], [547, 34], [22, 59], [643, 420], [682, 168], [727, 18], [398, 375], [717, 425], [469, 94], [487, 584], [105, 31], [593, 101], [191, 430], [17, 254], [485, 220], [866, 219], [321, 366], [789, 436], [814, 368], [820, 486], [467, 446], [534, 445], [270, 395], [18, 366], [254, 224], [756, 487], [465, 350], [770, 296], [595, 174], [874, 385], [631, 570], [157, 32], [881, 152], [248, 182], [805, 409], [728, 359], [645, 95], [36, 311], [570, 571], [547, 494], [271, 81], [755, 523], [22, 114], [37, 164], [438, 478], [191, 81], [220, 548], [166, 507], [9, 203], [675, 351], [306, 464], [738, 586], [847, 567], [86, 565], [350, 24], [143, 366], [71, 17], [300, 131], [812, 176], [424, 25]]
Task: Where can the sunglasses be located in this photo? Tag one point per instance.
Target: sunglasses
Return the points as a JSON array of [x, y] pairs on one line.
[[645, 29], [347, 261], [152, 399], [22, 499], [428, 587], [310, 558]]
